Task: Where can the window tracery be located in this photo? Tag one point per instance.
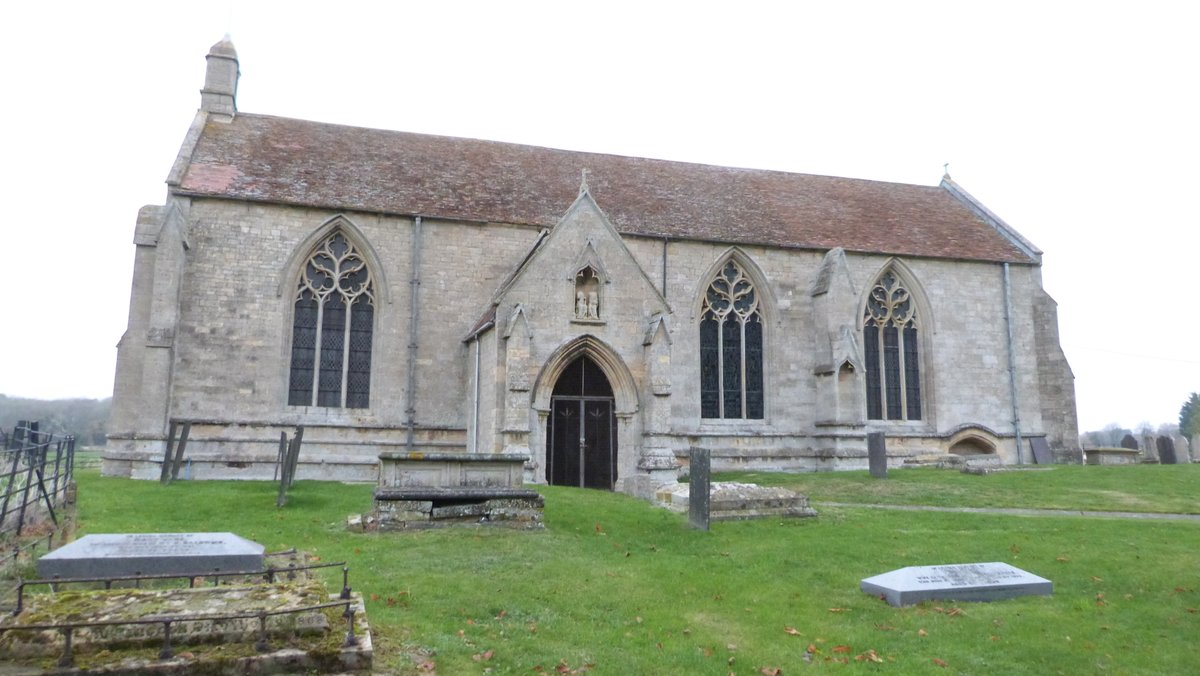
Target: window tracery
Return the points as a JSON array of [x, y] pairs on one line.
[[891, 349], [332, 328], [731, 348]]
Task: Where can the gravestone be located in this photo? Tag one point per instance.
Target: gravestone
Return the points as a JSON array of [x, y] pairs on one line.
[[1149, 448], [1129, 442], [699, 464], [959, 582], [877, 454], [1166, 450], [1041, 451], [115, 555], [1182, 455]]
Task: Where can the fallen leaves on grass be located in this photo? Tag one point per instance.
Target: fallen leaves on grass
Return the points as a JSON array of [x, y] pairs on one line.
[[564, 667], [842, 649], [940, 663], [791, 631], [1062, 559], [839, 610], [483, 656], [427, 665], [922, 632], [869, 656], [770, 671]]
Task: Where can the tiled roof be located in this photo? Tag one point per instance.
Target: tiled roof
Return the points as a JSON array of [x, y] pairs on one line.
[[289, 161]]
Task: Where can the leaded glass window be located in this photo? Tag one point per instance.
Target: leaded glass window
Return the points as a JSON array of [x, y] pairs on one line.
[[731, 348], [891, 350], [333, 319]]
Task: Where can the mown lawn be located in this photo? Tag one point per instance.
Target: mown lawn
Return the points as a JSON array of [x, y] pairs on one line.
[[1137, 488], [617, 586]]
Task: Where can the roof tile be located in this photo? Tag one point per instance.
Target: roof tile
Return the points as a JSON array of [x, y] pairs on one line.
[[274, 159]]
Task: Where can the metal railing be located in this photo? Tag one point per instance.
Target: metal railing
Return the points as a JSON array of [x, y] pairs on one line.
[[267, 573], [34, 466], [262, 645]]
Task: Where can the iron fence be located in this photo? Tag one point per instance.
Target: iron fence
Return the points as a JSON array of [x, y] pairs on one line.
[[36, 468]]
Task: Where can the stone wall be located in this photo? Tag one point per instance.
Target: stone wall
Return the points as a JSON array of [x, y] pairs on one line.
[[219, 356]]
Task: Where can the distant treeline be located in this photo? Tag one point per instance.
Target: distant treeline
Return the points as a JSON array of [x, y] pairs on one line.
[[86, 419]]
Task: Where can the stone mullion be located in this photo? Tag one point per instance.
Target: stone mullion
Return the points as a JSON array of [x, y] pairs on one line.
[[903, 372], [742, 350], [346, 346], [720, 365], [317, 347]]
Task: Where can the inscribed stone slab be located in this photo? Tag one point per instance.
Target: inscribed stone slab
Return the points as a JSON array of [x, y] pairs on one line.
[[1041, 451], [958, 582], [104, 555]]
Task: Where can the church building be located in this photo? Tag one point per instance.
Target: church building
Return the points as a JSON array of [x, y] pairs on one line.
[[602, 315]]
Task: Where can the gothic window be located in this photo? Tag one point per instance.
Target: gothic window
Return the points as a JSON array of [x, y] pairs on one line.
[[890, 346], [331, 328], [731, 348], [587, 294]]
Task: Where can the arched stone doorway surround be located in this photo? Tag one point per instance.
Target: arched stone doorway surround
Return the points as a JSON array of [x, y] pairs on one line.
[[625, 403]]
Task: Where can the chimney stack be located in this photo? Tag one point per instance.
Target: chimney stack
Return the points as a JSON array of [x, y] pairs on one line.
[[219, 95]]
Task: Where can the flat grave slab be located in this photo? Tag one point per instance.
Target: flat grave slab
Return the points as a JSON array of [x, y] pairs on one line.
[[115, 555], [957, 582]]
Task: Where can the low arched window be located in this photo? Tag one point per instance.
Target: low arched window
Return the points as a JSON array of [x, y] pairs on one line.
[[332, 324], [731, 348], [891, 350]]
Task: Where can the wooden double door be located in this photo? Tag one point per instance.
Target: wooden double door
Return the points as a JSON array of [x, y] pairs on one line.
[[581, 434]]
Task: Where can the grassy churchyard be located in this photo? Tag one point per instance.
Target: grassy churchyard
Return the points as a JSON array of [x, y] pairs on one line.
[[617, 586]]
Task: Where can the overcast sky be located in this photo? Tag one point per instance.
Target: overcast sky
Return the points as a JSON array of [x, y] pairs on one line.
[[1078, 123]]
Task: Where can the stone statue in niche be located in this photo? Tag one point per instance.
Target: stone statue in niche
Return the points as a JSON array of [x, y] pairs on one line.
[[587, 294]]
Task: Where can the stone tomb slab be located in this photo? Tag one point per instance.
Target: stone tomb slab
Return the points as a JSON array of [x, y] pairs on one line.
[[958, 582], [115, 555]]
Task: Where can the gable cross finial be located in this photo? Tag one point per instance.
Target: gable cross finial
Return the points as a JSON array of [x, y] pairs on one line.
[[583, 186]]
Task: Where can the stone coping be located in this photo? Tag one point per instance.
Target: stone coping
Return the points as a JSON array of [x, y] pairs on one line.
[[440, 456], [455, 493]]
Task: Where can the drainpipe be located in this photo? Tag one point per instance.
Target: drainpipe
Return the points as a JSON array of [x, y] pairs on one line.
[[413, 285], [664, 268], [475, 413], [1012, 365]]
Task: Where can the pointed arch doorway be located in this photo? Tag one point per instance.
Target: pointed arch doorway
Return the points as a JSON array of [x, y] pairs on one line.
[[581, 432]]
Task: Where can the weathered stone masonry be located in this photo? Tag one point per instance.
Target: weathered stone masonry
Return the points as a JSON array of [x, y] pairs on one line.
[[510, 248]]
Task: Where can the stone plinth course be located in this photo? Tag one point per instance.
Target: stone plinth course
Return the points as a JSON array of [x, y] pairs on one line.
[[115, 555], [957, 582]]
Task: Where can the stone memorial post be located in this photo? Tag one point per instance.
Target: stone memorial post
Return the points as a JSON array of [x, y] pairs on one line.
[[1129, 442], [877, 454], [699, 464]]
